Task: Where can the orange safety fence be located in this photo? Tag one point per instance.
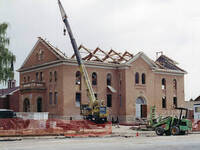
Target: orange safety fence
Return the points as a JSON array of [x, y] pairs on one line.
[[71, 128]]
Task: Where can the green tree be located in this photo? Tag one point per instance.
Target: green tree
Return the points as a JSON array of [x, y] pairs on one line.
[[6, 57]]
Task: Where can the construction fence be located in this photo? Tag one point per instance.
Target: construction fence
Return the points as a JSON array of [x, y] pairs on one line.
[[68, 128]]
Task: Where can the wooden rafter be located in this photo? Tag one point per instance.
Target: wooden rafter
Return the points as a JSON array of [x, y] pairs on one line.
[[127, 54], [88, 57], [90, 53], [78, 49], [106, 55], [113, 55], [121, 58]]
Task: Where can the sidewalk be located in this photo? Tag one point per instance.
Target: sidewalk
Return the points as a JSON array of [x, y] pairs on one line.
[[122, 131], [125, 131]]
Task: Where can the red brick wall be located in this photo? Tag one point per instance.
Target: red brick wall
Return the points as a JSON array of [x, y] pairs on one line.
[[3, 104], [10, 102], [14, 101]]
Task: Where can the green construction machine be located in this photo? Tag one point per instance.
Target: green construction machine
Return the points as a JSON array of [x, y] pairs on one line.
[[171, 125]]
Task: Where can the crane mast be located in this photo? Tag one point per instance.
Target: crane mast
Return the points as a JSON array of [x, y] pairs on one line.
[[83, 70]]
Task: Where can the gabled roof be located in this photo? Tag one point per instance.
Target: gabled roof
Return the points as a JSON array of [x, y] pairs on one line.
[[53, 49], [197, 99], [142, 55], [8, 91], [59, 54], [165, 62]]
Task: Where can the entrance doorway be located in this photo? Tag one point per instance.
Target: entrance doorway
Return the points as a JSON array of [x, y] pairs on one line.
[[39, 104], [141, 108]]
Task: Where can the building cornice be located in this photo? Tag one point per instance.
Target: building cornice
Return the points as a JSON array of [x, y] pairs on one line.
[[73, 62], [92, 64], [167, 71]]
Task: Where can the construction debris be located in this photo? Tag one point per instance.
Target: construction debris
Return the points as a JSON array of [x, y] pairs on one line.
[[72, 128]]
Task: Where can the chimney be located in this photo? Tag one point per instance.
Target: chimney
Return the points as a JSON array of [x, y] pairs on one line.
[[158, 54], [11, 83]]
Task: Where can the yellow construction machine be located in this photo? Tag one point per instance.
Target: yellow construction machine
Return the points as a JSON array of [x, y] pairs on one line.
[[95, 110]]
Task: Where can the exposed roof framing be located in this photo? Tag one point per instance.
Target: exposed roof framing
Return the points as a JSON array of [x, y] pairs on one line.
[[167, 63], [103, 56], [106, 55], [90, 54]]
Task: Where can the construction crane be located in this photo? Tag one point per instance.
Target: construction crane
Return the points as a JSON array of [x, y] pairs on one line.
[[95, 110]]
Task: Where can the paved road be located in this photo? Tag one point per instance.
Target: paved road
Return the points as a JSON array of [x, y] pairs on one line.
[[190, 142]]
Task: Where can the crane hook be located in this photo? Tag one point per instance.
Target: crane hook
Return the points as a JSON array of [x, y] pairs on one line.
[[64, 31]]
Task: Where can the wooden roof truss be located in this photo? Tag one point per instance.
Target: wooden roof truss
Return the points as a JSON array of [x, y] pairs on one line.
[[102, 56]]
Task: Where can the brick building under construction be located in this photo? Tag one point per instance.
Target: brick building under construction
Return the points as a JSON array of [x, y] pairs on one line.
[[129, 84]]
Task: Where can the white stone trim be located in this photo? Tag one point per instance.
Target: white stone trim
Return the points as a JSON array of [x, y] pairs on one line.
[[168, 72]]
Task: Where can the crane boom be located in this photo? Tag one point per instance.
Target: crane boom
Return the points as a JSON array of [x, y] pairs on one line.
[[83, 70]]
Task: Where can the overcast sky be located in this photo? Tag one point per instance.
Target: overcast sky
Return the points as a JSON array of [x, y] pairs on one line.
[[171, 26]]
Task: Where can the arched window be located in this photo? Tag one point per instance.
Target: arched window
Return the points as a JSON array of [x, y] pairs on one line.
[[41, 76], [50, 76], [26, 105], [50, 98], [55, 76], [94, 78], [136, 78], [28, 78], [40, 55], [78, 78], [109, 100], [175, 101], [78, 99], [24, 79], [163, 84], [143, 79], [37, 76], [175, 84], [39, 105], [55, 97], [109, 79]]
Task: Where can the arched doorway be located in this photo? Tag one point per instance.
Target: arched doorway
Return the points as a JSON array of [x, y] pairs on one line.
[[39, 104], [26, 105], [141, 108]]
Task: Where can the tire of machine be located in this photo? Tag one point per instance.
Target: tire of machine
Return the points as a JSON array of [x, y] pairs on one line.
[[159, 131], [175, 130]]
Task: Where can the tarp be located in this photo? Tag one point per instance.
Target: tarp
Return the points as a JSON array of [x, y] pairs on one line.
[[111, 89]]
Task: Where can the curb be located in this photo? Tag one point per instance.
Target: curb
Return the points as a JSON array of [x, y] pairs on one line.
[[125, 135], [10, 139], [30, 138]]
